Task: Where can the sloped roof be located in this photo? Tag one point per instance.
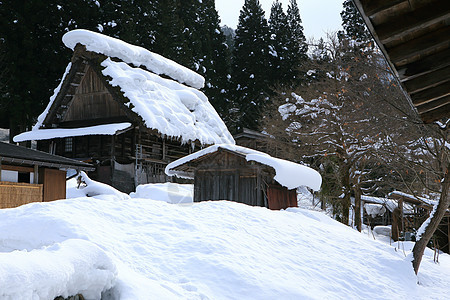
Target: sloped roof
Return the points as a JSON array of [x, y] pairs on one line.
[[24, 156], [288, 174], [168, 106], [414, 36]]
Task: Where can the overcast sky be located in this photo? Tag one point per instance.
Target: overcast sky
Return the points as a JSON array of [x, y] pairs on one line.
[[318, 16]]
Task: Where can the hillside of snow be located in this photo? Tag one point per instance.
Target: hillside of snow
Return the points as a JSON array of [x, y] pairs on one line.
[[139, 248]]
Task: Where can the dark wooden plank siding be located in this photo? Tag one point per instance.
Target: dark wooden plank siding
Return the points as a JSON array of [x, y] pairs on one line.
[[92, 100], [280, 197]]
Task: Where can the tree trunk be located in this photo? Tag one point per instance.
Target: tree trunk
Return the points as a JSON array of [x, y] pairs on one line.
[[346, 201], [358, 208], [444, 203]]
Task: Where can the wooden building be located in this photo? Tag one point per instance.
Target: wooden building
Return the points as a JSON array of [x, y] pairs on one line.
[[28, 175], [126, 110], [229, 172], [414, 36]]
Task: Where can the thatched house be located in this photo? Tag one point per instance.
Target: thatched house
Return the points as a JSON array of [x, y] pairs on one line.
[[28, 175], [127, 110], [230, 172]]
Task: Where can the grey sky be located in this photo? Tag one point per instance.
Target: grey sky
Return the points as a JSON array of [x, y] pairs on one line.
[[318, 16]]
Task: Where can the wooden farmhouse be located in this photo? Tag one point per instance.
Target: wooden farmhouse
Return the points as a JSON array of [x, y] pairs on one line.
[[229, 172], [126, 110], [414, 36], [28, 175]]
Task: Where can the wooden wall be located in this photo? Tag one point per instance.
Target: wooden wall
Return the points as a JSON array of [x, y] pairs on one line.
[[13, 194], [280, 197], [226, 176], [54, 182], [92, 100]]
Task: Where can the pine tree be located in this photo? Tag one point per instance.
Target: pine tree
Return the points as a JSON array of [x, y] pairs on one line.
[[133, 21], [354, 26], [280, 65], [251, 64], [215, 59], [35, 57], [297, 46]]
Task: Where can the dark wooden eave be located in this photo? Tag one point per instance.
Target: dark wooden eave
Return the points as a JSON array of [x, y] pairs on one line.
[[414, 36], [19, 155]]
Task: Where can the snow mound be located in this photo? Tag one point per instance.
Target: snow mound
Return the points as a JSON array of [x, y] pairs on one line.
[[66, 269], [168, 192], [92, 188], [132, 54]]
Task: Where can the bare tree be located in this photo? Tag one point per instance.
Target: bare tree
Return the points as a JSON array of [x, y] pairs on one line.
[[337, 118]]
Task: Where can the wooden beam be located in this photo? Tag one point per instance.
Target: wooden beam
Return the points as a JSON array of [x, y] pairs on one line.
[[431, 94], [433, 105], [413, 22], [425, 65], [415, 49], [437, 114], [427, 80], [376, 6]]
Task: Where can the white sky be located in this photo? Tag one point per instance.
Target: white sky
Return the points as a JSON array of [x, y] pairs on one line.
[[318, 16]]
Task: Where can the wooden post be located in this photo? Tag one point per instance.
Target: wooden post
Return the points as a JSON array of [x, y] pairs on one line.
[[0, 170], [258, 187], [400, 206], [36, 174]]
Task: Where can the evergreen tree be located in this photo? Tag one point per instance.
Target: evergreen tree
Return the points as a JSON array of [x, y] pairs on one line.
[[296, 45], [215, 60], [170, 37], [251, 65], [35, 57], [133, 21], [280, 65], [354, 26]]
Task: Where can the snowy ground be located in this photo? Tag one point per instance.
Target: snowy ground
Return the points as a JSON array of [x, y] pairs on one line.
[[138, 248]]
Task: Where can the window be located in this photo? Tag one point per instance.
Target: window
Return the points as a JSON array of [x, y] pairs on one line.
[[23, 177], [68, 144]]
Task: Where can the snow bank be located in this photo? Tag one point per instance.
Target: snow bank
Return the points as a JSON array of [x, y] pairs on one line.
[[69, 268], [173, 109], [92, 188], [168, 192], [45, 134], [288, 174], [132, 54]]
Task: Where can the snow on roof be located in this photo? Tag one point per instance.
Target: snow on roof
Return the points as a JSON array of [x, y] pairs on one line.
[[170, 107], [288, 174], [132, 54], [45, 134]]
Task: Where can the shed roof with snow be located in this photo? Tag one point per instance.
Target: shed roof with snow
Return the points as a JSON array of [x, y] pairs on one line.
[[138, 81], [288, 174], [230, 172]]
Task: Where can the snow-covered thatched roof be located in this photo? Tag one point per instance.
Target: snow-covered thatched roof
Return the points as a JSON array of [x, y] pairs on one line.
[[166, 105], [288, 174]]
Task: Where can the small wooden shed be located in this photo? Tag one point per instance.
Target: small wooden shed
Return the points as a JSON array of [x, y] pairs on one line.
[[230, 172], [28, 175]]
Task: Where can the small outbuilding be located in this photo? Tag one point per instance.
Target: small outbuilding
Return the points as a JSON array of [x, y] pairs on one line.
[[230, 172], [28, 175]]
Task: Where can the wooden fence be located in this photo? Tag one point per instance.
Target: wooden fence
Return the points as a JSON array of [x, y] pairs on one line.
[[13, 194]]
